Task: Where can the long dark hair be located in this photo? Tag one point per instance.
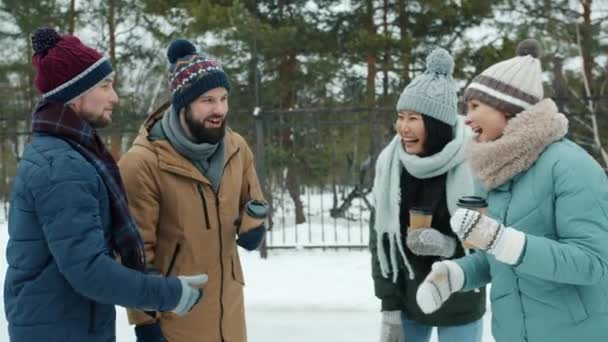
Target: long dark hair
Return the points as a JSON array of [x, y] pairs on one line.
[[438, 134]]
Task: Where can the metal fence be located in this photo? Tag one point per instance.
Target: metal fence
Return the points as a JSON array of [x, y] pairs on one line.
[[317, 169], [316, 166]]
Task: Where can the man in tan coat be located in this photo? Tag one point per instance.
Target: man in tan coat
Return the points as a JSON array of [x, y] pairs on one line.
[[194, 193]]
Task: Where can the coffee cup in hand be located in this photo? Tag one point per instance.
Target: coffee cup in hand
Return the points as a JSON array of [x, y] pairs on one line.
[[420, 217], [473, 203]]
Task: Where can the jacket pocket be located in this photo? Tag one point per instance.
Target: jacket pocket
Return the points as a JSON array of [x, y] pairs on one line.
[[201, 193], [575, 304], [171, 265], [237, 271]]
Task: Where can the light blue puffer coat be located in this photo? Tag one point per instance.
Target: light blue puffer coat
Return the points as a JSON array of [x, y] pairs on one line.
[[558, 291]]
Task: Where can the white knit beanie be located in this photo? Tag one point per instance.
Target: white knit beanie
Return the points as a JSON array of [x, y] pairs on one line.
[[513, 85]]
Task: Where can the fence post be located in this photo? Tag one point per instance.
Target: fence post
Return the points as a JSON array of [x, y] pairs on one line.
[[260, 161]]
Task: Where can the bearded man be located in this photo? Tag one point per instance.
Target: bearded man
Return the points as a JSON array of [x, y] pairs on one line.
[[194, 194]]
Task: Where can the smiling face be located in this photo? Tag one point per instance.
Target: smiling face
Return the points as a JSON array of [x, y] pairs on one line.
[[204, 120], [487, 123], [411, 129]]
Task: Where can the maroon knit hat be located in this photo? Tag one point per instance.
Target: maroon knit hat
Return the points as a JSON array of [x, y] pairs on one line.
[[65, 67]]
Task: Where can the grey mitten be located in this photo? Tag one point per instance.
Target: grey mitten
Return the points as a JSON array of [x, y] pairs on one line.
[[391, 330], [429, 241], [191, 294]]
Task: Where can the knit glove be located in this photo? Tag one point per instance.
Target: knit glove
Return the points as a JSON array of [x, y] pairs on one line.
[[446, 277], [483, 232], [391, 330], [430, 241], [255, 214], [252, 239], [191, 293], [149, 333]]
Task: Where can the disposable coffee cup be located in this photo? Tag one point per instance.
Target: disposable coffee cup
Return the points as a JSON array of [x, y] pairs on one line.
[[472, 203], [420, 217]]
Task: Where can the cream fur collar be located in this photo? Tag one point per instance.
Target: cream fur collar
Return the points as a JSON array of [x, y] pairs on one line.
[[525, 137]]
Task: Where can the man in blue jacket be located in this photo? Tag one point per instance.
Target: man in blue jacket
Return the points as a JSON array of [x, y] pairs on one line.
[[68, 214]]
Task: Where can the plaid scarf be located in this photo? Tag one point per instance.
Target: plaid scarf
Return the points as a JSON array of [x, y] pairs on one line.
[[59, 120]]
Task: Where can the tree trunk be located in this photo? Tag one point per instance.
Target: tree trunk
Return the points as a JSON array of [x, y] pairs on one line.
[[405, 43], [559, 84], [293, 187], [287, 72], [72, 17], [386, 54], [31, 92], [586, 45], [115, 136], [371, 58]]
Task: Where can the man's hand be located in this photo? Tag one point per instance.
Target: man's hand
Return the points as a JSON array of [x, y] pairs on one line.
[[254, 215], [191, 293]]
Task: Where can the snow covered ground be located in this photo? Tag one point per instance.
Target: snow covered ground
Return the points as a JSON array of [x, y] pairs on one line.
[[294, 295]]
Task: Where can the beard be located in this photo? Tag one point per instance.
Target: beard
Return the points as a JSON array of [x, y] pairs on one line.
[[202, 134], [96, 120]]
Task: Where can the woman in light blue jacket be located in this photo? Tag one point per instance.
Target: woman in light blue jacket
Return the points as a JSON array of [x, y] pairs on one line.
[[545, 238]]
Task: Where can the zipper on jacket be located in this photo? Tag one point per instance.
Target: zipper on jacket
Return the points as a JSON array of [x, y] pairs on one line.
[[504, 219], [173, 258], [202, 194], [92, 317], [217, 207], [219, 222]]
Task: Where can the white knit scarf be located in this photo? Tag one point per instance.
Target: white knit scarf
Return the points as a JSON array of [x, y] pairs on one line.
[[387, 190]]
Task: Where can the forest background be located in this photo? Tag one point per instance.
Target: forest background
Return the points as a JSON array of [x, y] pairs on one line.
[[315, 82]]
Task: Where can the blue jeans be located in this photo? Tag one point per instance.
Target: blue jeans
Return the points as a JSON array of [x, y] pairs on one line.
[[416, 332]]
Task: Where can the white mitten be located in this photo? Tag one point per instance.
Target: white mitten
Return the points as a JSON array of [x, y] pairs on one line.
[[446, 277], [483, 232]]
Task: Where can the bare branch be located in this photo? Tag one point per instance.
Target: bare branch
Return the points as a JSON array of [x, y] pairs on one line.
[[582, 140], [585, 76], [590, 102], [582, 123]]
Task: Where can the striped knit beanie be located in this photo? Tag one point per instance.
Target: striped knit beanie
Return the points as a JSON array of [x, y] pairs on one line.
[[191, 74], [65, 67], [511, 86]]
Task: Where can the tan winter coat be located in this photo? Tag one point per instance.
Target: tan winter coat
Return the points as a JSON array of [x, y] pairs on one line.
[[188, 229]]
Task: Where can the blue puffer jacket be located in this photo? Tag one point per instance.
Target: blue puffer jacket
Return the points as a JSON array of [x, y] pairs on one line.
[[62, 281], [558, 291]]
